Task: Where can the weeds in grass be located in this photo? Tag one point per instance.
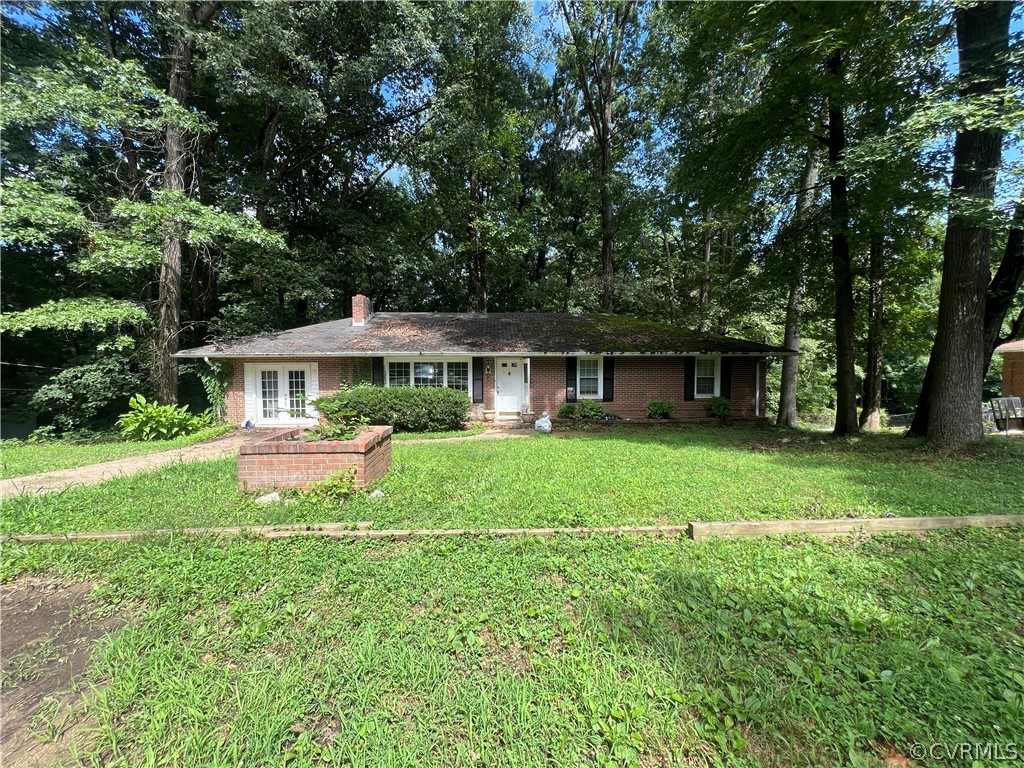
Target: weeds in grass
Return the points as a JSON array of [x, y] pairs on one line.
[[565, 651], [618, 476]]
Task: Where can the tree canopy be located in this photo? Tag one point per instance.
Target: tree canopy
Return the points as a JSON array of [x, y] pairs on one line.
[[174, 172]]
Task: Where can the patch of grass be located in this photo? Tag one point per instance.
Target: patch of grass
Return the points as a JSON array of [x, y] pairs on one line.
[[467, 432], [32, 458], [617, 476], [537, 652]]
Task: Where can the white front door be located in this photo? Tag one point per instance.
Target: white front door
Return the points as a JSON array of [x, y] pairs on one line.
[[509, 385]]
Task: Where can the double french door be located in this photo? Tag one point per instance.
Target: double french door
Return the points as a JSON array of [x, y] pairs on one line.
[[282, 394]]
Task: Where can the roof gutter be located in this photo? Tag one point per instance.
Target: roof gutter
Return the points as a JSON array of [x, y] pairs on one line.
[[579, 353]]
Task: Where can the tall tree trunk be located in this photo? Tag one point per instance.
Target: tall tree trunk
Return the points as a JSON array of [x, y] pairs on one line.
[[177, 177], [607, 222], [1004, 286], [478, 250], [704, 297], [842, 265], [788, 416], [871, 409], [1001, 291], [954, 414], [570, 265], [598, 46], [725, 246], [670, 270]]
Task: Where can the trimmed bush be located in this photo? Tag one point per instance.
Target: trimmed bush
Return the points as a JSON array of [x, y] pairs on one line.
[[589, 409], [660, 409], [568, 411], [407, 409], [718, 407]]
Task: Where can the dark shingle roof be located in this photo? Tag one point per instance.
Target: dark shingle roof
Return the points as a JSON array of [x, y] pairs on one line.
[[412, 333]]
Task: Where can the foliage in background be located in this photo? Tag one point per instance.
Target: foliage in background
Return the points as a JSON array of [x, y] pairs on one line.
[[443, 157], [407, 409], [89, 395], [215, 377]]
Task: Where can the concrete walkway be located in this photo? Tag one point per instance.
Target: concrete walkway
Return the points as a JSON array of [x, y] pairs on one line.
[[222, 447], [91, 474]]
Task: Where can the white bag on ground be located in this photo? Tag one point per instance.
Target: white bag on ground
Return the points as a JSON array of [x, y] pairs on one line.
[[543, 424]]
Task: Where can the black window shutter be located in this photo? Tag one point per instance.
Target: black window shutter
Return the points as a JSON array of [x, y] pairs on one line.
[[570, 379], [689, 377], [609, 380], [725, 385], [478, 379], [377, 367]]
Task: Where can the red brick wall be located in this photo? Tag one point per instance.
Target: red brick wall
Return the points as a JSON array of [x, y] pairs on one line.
[[1013, 374], [638, 380], [275, 462]]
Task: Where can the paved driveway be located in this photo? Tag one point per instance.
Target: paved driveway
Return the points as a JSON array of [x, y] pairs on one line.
[[92, 474]]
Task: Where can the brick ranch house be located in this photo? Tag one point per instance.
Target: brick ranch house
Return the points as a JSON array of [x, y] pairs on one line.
[[513, 366]]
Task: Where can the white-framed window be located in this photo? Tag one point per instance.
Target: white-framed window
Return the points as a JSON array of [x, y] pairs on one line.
[[589, 382], [428, 374], [280, 393], [457, 375], [453, 374], [399, 374], [707, 377]]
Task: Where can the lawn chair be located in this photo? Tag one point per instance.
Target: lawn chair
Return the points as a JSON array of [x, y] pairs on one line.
[[1006, 410]]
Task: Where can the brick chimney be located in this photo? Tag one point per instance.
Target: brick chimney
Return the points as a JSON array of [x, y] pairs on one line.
[[362, 309]]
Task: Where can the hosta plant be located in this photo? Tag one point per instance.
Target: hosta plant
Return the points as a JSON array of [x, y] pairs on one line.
[[153, 421]]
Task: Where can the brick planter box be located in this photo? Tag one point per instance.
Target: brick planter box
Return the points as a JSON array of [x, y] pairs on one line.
[[275, 461]]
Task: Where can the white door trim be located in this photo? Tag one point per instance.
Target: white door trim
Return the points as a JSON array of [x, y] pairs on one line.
[[254, 402], [509, 370]]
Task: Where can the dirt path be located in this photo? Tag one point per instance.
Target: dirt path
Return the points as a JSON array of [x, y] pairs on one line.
[[49, 629], [91, 474]]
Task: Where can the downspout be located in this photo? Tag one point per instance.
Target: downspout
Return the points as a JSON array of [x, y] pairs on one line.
[[757, 388]]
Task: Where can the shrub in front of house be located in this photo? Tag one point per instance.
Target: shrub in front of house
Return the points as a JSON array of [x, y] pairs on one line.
[[660, 409], [407, 409], [568, 411], [718, 407], [585, 409], [152, 421]]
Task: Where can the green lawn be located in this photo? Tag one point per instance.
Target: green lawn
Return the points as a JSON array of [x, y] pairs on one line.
[[623, 476], [21, 459], [590, 651], [476, 429]]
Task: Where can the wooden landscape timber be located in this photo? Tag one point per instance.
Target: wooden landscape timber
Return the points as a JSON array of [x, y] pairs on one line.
[[698, 531], [847, 526]]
